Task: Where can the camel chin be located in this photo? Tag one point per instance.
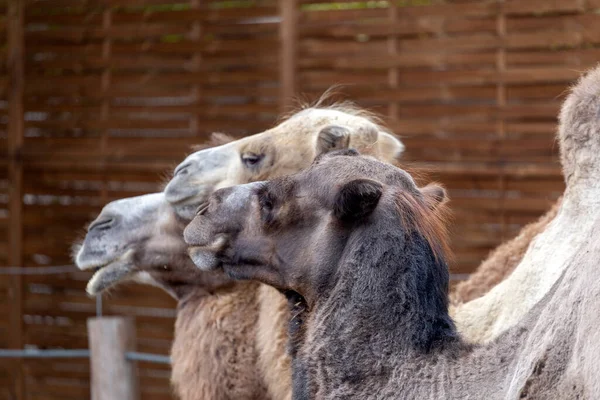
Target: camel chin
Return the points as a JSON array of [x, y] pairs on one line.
[[203, 255], [203, 258], [108, 276]]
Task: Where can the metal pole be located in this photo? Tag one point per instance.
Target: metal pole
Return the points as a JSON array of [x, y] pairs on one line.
[[149, 357], [35, 353], [99, 305]]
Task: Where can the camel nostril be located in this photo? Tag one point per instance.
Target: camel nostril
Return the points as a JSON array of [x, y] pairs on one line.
[[182, 169], [202, 208]]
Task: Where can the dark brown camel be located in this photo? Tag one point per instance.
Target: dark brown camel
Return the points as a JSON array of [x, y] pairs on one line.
[[359, 251], [140, 239]]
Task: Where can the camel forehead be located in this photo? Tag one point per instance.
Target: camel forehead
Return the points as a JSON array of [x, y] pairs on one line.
[[213, 155], [341, 168], [305, 125], [317, 116], [136, 206]]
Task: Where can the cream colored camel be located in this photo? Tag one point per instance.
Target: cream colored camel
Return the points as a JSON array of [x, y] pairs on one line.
[[547, 257], [140, 239]]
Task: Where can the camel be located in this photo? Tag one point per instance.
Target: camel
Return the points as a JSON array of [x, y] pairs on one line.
[[284, 149], [140, 239], [546, 258], [360, 252]]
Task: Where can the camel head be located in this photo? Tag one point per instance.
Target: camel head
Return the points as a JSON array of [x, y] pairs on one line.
[[140, 239], [287, 148], [293, 231]]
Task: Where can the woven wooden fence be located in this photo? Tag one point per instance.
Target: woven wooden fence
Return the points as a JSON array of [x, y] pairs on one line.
[[99, 99]]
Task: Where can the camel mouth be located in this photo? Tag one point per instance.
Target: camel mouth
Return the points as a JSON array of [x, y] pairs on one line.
[[107, 276], [204, 258], [181, 198], [92, 265], [184, 194]]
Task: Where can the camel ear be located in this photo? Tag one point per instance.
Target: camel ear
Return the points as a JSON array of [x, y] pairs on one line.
[[435, 195], [357, 199], [332, 137], [390, 147]]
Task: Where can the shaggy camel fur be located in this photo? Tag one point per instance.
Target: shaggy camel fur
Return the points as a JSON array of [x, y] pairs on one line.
[[545, 260], [213, 352], [359, 251], [501, 262], [203, 171]]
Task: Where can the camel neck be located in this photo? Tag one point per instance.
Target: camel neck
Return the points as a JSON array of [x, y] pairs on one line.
[[192, 293], [393, 280], [389, 303], [583, 190]]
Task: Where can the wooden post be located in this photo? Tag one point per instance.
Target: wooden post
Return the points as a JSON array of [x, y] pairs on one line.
[[288, 35], [15, 65], [112, 376]]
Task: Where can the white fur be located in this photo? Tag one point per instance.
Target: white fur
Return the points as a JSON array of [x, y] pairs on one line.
[[549, 254], [506, 304], [133, 215], [135, 207]]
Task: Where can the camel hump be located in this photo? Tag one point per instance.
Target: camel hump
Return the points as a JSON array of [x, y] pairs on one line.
[[579, 127]]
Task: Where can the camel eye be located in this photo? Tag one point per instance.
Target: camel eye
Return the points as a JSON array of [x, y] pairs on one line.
[[101, 225], [251, 159], [266, 202], [202, 208]]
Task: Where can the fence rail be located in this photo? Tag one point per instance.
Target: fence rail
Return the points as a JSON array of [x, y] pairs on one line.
[[79, 353]]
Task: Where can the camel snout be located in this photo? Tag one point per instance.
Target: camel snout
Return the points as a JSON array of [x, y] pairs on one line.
[[198, 232], [205, 257]]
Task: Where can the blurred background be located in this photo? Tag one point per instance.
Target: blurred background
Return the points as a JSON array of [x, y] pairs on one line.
[[100, 99]]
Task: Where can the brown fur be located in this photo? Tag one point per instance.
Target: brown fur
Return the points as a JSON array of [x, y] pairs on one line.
[[417, 216], [272, 342], [214, 354], [501, 261]]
